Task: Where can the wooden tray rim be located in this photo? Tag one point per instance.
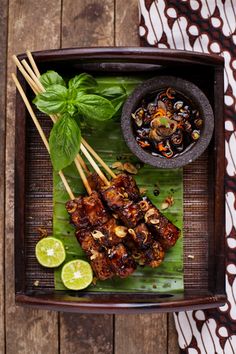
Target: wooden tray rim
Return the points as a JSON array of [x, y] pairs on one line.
[[133, 54]]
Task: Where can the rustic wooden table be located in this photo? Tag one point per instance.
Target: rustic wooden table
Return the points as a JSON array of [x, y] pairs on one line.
[[37, 25]]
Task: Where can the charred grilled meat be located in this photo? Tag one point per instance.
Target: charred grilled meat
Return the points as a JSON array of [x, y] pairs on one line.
[[114, 249], [123, 197], [78, 218], [152, 256], [162, 229], [95, 182], [128, 184], [116, 198], [120, 197], [122, 263], [123, 182], [97, 256], [145, 250], [96, 231], [98, 259], [141, 237], [95, 210], [106, 234]]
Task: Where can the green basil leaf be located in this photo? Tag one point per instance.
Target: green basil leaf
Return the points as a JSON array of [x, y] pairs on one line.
[[82, 82], [94, 107], [111, 92], [64, 142], [51, 78], [53, 100], [118, 102]]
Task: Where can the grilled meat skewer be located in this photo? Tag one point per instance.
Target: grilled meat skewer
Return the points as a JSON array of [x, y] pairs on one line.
[[145, 250], [118, 198], [97, 233], [128, 184], [123, 197], [97, 256], [141, 236], [162, 229], [147, 233], [98, 259], [124, 181]]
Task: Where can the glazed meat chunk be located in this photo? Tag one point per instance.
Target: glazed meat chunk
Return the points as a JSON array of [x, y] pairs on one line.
[[162, 229]]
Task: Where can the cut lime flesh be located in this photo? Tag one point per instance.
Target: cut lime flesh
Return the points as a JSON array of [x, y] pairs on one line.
[[77, 274], [50, 252]]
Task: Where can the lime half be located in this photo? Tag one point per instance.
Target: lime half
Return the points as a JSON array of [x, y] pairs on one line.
[[77, 274], [50, 252]]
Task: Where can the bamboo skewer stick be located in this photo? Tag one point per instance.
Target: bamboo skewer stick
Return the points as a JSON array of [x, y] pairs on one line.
[[98, 158], [32, 87], [32, 74], [66, 185], [33, 64], [26, 75], [83, 177], [41, 133], [83, 164], [54, 118], [94, 165]]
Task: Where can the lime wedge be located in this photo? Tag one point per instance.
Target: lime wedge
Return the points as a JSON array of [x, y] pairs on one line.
[[50, 252], [77, 274]]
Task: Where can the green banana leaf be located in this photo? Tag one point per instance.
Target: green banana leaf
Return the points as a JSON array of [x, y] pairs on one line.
[[108, 142]]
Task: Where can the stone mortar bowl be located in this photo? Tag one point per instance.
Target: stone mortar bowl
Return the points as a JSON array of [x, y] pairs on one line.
[[192, 94]]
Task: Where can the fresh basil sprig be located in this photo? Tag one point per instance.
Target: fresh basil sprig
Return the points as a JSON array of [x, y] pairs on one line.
[[64, 141], [74, 99], [81, 98]]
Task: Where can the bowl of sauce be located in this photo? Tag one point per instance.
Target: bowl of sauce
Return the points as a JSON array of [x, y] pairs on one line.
[[167, 122]]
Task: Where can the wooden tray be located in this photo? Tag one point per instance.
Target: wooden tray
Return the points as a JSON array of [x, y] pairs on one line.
[[204, 224]]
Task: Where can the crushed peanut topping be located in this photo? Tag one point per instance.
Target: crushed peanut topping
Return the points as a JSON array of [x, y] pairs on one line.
[[97, 234], [121, 231]]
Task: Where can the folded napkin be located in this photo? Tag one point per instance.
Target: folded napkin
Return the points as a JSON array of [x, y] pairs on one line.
[[206, 26]]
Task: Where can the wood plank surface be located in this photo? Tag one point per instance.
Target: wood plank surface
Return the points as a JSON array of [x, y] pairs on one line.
[[87, 23], [86, 334], [141, 334], [172, 338], [3, 46], [126, 23], [34, 25]]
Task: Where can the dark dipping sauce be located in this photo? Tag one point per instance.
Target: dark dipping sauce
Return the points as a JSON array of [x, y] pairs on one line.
[[167, 124]]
